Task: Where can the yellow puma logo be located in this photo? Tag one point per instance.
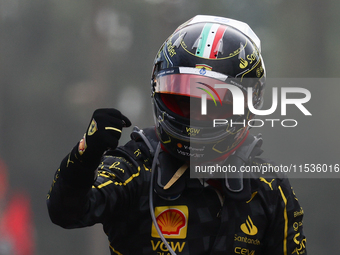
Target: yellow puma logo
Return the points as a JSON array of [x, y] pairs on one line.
[[269, 183]]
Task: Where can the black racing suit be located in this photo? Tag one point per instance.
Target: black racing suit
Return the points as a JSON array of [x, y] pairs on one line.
[[204, 219]]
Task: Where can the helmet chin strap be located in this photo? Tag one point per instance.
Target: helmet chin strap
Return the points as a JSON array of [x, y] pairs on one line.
[[151, 191], [176, 176]]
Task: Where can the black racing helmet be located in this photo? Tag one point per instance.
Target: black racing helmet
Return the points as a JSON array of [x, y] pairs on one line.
[[193, 78]]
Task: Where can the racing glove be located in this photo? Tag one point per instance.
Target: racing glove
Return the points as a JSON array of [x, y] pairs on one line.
[[103, 133]]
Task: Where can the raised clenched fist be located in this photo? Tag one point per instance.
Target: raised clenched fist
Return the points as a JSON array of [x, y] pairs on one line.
[[103, 133]]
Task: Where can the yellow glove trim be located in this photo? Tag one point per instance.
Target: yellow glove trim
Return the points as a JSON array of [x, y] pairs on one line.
[[112, 128]]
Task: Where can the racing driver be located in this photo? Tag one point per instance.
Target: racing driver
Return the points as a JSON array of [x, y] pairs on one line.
[[147, 193]]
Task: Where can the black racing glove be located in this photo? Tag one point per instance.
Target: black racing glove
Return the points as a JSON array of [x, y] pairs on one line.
[[105, 129], [103, 133]]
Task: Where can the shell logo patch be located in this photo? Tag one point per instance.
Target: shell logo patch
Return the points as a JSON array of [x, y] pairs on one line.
[[172, 221]]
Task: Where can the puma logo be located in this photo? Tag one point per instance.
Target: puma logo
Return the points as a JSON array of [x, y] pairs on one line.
[[269, 183]]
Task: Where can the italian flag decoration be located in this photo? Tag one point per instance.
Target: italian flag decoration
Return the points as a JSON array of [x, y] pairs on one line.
[[210, 44]]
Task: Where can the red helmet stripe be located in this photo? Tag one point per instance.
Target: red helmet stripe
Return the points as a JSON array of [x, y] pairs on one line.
[[216, 44]]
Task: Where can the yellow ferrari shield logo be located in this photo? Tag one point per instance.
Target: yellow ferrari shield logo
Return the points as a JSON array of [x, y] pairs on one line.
[[93, 128]]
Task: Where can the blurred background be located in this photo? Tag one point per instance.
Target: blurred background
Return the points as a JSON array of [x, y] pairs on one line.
[[60, 60]]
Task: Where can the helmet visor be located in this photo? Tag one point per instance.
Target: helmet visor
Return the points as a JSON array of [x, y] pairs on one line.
[[198, 97]]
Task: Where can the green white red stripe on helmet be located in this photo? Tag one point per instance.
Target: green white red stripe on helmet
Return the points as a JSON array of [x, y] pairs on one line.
[[210, 44], [239, 25]]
